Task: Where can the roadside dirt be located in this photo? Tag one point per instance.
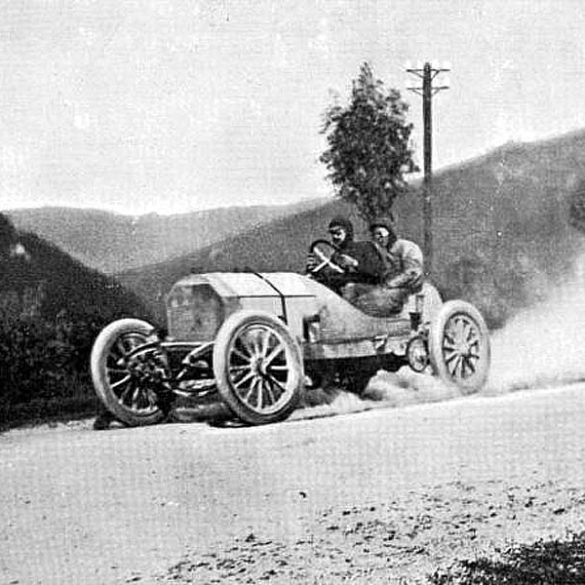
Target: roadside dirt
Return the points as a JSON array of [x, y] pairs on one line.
[[387, 495]]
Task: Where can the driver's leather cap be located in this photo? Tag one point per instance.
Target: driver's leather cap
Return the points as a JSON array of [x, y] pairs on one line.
[[342, 222]]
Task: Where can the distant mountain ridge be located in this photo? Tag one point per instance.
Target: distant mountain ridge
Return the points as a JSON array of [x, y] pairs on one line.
[[112, 242], [501, 229]]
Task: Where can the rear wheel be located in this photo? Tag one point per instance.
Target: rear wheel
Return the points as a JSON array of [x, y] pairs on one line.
[[459, 346], [258, 367], [112, 373]]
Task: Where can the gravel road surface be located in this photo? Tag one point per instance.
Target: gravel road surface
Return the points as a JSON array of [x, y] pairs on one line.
[[383, 496]]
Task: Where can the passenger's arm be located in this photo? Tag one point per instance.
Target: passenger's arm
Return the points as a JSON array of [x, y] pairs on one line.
[[412, 269]]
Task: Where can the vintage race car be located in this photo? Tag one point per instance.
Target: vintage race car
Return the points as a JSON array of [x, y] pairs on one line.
[[260, 340]]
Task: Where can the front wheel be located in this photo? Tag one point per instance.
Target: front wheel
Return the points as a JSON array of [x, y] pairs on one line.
[[258, 367], [459, 346], [114, 381]]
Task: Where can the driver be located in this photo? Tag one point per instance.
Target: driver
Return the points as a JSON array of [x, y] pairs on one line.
[[404, 271], [361, 262]]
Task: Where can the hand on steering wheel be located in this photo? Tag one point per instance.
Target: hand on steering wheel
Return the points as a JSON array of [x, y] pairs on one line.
[[322, 251]]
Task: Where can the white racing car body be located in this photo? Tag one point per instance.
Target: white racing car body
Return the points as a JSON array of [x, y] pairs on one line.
[[262, 339]]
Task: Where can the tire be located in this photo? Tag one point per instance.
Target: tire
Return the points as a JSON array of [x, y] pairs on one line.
[[119, 393], [459, 346], [258, 367]]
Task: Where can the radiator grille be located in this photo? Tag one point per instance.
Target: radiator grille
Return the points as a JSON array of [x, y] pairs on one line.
[[194, 312]]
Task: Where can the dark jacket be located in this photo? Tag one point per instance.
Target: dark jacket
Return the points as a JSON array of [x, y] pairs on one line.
[[370, 269]]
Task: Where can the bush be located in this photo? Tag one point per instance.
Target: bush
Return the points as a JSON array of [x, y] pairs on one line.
[[44, 365], [542, 563]]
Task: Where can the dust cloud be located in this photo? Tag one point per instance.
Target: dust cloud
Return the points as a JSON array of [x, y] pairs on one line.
[[542, 346], [545, 345], [385, 390]]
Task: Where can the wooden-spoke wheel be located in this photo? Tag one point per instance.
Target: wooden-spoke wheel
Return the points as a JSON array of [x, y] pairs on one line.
[[258, 367], [114, 359], [459, 346]]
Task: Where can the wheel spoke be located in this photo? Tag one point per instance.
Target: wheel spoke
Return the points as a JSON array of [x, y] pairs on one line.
[[460, 329], [239, 368], [459, 367], [278, 385], [245, 358], [472, 336], [267, 383], [243, 348], [124, 395], [275, 352], [456, 365], [140, 399], [467, 363], [448, 337], [474, 354], [462, 368], [249, 344], [245, 392], [121, 382], [244, 379], [255, 342], [283, 368], [114, 356], [125, 345], [474, 345], [135, 397], [265, 342], [121, 348], [251, 394], [259, 393], [117, 370], [449, 344]]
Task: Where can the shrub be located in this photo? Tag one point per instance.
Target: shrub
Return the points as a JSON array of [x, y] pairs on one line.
[[554, 562], [45, 362]]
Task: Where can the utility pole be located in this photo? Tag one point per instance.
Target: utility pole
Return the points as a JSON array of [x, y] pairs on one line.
[[427, 73]]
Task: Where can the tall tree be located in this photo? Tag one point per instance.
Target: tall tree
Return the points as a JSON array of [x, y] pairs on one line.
[[369, 146]]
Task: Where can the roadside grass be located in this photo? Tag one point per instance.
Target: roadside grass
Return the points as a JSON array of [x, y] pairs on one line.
[[77, 400], [552, 562]]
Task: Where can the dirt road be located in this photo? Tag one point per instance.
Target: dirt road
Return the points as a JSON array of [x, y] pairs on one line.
[[371, 497]]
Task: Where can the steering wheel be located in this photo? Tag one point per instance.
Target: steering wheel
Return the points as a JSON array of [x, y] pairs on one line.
[[323, 250]]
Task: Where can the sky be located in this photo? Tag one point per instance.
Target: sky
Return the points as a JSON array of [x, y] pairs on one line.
[[173, 106]]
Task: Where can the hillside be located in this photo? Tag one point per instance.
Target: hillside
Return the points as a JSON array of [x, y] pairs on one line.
[[51, 309], [48, 282], [112, 242], [501, 230]]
